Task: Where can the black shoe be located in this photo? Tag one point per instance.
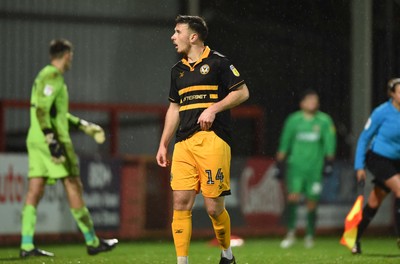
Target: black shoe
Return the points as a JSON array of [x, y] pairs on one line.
[[105, 245], [356, 249], [227, 261], [35, 253]]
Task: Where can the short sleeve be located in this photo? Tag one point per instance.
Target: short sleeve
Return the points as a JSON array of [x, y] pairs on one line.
[[173, 90], [370, 129], [230, 78]]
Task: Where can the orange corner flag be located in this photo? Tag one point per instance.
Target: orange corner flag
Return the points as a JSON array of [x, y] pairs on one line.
[[351, 222]]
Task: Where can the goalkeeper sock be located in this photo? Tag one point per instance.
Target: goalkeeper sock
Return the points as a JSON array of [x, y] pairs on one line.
[[397, 215], [311, 220], [292, 215], [85, 224], [367, 215], [222, 229], [182, 232], [28, 227]]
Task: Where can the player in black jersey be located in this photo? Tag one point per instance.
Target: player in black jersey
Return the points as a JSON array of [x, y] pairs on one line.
[[204, 86]]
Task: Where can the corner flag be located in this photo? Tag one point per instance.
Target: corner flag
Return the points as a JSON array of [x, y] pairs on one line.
[[353, 218], [351, 222]]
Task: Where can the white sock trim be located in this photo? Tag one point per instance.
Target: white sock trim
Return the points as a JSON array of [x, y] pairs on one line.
[[227, 253], [182, 260]]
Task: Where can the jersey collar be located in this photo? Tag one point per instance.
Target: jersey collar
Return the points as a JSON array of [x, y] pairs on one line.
[[205, 54]]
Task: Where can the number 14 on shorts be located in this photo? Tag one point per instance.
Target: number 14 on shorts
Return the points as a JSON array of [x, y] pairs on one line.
[[219, 176]]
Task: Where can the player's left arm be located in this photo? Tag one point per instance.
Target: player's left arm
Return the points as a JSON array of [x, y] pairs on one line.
[[91, 129], [234, 98], [329, 140], [329, 136]]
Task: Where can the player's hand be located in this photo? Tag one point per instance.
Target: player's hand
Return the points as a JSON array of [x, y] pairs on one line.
[[206, 119], [279, 170], [56, 150], [161, 157], [361, 175], [93, 130], [328, 168]]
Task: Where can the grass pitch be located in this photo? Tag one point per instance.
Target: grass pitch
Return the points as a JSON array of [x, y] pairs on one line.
[[326, 250]]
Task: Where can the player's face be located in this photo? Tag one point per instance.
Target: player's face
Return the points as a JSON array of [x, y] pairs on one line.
[[68, 60], [396, 94], [310, 103], [181, 38]]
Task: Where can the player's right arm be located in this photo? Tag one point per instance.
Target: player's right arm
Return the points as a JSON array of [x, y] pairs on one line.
[[285, 140], [170, 126], [284, 146], [370, 129], [46, 91]]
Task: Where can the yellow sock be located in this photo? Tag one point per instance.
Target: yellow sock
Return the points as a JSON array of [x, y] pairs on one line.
[[182, 231], [222, 229]]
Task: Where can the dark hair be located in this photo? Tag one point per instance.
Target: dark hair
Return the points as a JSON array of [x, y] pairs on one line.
[[306, 93], [195, 23], [58, 47], [391, 85]]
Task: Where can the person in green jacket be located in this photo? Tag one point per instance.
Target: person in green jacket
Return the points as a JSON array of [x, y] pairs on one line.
[[51, 154], [307, 145]]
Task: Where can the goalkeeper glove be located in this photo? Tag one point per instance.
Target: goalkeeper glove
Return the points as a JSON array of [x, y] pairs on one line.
[[280, 170], [328, 168], [93, 130], [56, 150]]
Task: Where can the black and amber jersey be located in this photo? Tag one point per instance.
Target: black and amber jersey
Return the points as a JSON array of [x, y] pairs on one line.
[[197, 86]]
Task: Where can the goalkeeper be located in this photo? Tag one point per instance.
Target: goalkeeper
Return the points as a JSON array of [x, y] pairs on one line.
[[51, 154], [307, 139]]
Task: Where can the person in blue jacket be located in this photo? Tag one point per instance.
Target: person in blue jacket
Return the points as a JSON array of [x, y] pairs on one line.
[[378, 150]]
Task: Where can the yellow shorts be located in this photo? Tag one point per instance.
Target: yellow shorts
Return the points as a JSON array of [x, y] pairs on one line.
[[202, 162]]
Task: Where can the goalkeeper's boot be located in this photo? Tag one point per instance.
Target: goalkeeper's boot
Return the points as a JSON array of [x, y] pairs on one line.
[[356, 248], [104, 245], [309, 241], [227, 261], [36, 252], [289, 240]]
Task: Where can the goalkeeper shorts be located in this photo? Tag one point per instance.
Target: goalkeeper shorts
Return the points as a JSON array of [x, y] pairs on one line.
[[202, 163], [308, 183], [41, 164]]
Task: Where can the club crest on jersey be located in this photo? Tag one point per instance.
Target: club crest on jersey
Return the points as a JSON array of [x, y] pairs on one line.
[[181, 74], [204, 69], [235, 72], [48, 90]]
